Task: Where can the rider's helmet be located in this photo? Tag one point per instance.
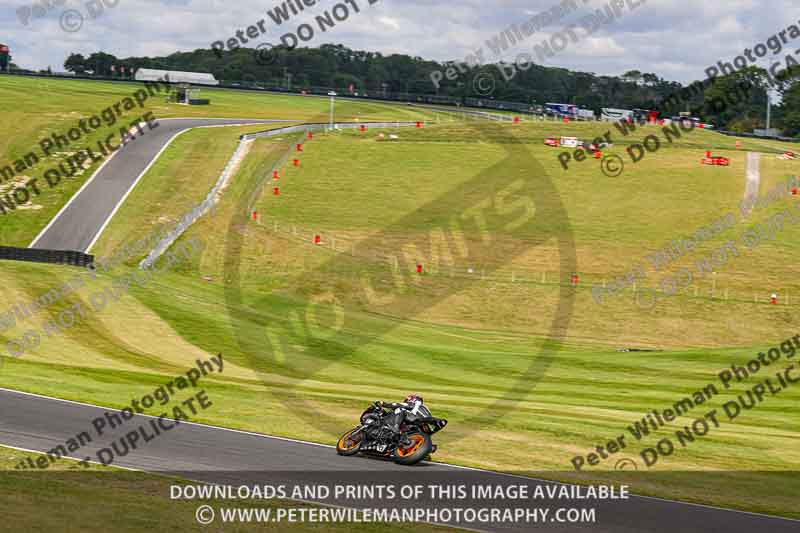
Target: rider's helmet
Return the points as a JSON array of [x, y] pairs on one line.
[[414, 398]]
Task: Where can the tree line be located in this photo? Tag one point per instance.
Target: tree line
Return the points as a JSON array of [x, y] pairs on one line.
[[336, 66]]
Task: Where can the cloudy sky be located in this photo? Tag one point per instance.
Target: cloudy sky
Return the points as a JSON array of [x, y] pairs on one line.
[[677, 39]]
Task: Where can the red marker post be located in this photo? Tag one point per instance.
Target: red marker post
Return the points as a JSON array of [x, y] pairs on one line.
[[419, 124], [317, 239], [299, 148], [276, 191], [310, 135], [255, 215], [419, 269], [774, 299], [275, 175], [297, 162], [363, 128]]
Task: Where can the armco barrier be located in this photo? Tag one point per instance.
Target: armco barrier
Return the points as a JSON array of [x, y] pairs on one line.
[[467, 112], [325, 126], [35, 255], [754, 136]]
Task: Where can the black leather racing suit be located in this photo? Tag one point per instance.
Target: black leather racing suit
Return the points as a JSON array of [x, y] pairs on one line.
[[403, 411]]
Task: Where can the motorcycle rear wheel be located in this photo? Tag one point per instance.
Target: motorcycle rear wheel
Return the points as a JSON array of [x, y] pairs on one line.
[[420, 447], [348, 445]]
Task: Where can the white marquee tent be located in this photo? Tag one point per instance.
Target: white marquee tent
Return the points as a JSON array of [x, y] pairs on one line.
[[192, 78]]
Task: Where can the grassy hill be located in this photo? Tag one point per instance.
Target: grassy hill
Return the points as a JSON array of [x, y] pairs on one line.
[[527, 368], [34, 109]]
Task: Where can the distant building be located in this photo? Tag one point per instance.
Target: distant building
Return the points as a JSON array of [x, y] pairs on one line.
[[175, 76]]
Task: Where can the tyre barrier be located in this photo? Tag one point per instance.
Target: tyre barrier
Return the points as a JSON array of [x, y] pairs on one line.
[[36, 255]]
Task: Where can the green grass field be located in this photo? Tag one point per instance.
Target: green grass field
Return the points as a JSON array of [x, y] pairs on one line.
[[35, 109], [467, 332]]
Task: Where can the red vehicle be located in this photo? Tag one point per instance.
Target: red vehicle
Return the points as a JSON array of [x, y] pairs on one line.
[[552, 142], [717, 161]]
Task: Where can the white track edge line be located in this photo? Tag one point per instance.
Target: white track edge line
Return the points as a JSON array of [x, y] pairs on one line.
[[147, 168], [74, 197], [175, 476], [63, 457], [108, 160], [447, 465], [244, 432], [152, 162]]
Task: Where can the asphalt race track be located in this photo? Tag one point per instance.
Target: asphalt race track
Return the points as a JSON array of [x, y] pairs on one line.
[[80, 221], [221, 456], [217, 455]]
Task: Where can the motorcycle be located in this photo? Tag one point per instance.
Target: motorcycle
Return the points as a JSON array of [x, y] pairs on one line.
[[375, 436]]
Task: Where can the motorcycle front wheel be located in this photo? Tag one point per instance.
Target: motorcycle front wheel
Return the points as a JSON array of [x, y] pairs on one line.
[[421, 445], [350, 443]]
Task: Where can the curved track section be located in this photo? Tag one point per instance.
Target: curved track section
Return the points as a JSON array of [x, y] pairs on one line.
[[81, 221]]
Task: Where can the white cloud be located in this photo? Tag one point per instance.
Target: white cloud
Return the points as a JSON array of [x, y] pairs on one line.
[[388, 21], [602, 47], [676, 39], [730, 25]]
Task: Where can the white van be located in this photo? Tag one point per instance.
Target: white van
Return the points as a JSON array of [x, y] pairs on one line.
[[615, 115]]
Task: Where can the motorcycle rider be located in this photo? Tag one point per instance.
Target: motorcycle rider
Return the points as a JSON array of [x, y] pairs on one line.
[[412, 407]]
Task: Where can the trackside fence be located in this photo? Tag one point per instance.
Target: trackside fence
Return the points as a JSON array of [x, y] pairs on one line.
[[214, 195]]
